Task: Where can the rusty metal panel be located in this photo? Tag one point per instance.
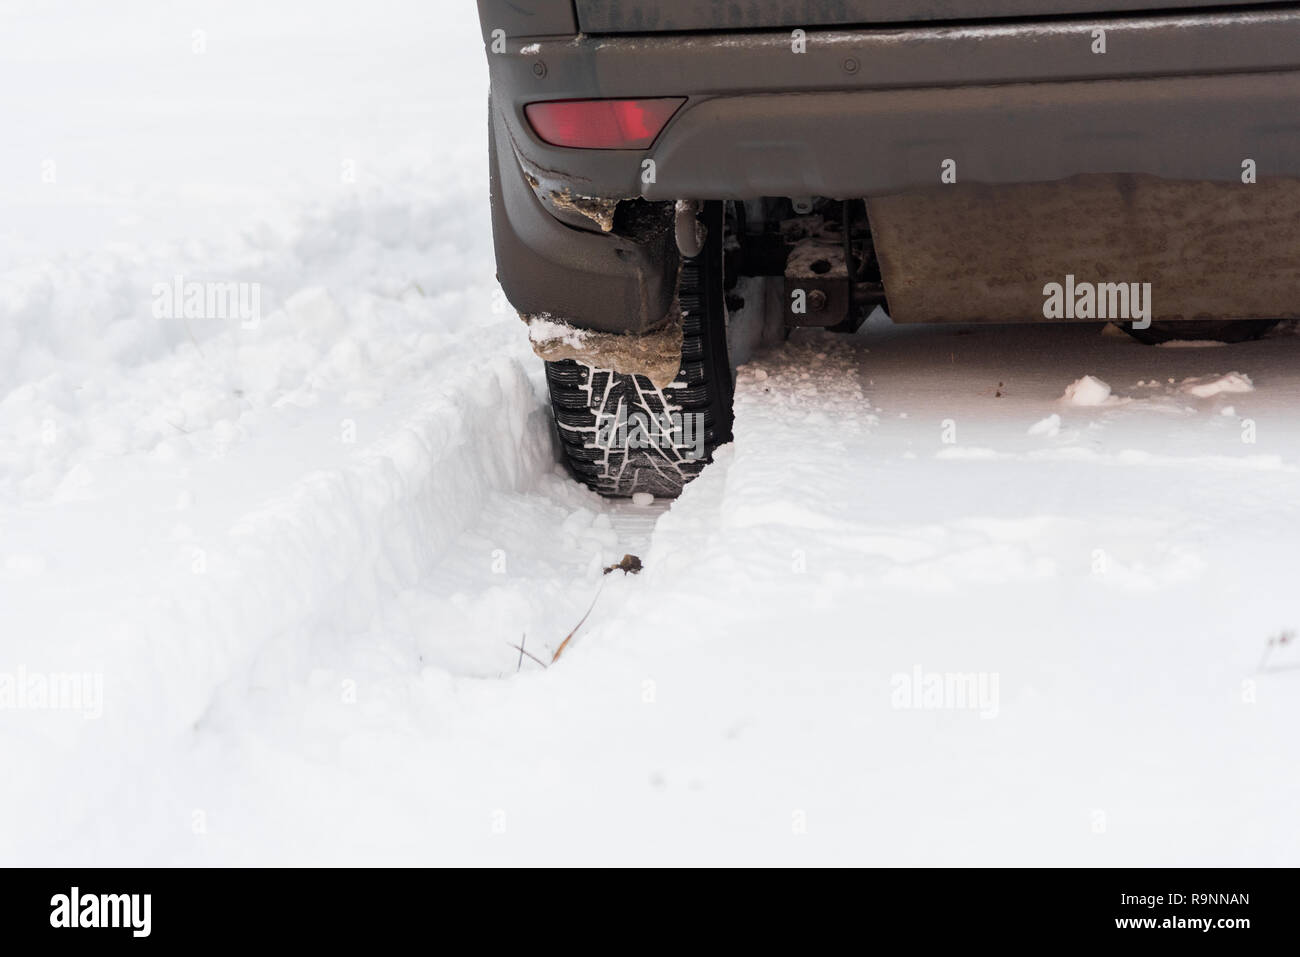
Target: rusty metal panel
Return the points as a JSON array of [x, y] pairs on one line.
[[984, 253], [650, 16]]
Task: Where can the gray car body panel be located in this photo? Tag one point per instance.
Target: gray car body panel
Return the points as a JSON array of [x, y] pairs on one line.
[[872, 112], [549, 269], [527, 18], [645, 16]]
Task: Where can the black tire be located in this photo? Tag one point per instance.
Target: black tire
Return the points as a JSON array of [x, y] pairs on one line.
[[1236, 330], [622, 463]]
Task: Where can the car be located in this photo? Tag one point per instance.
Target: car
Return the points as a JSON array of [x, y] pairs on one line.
[[674, 182]]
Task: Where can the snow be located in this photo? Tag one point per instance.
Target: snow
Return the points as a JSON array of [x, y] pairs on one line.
[[543, 329], [1049, 426], [1087, 391], [1206, 387], [285, 569]]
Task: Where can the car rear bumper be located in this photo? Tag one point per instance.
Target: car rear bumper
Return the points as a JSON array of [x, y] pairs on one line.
[[866, 112], [1167, 116]]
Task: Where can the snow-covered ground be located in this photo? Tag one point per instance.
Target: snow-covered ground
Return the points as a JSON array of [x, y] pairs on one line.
[[944, 599]]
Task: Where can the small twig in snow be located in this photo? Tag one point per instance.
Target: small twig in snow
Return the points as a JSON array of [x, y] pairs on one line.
[[528, 654], [565, 642]]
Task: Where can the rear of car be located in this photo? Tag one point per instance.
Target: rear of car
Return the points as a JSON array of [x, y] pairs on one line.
[[1136, 161]]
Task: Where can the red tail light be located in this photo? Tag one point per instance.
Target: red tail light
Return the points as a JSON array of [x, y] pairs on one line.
[[602, 124]]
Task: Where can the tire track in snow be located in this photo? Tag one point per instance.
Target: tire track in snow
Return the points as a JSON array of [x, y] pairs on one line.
[[326, 555], [830, 549]]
